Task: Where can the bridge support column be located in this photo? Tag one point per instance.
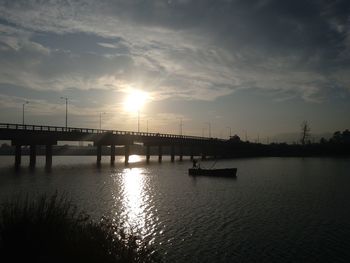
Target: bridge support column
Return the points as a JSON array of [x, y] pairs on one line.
[[215, 152], [181, 153], [203, 155], [32, 157], [160, 153], [172, 153], [48, 156], [127, 152], [17, 155], [99, 154], [112, 154], [148, 153]]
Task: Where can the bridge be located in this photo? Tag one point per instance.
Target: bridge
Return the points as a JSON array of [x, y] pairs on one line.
[[34, 135]]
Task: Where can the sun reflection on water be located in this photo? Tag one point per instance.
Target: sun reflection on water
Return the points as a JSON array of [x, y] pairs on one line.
[[133, 183], [135, 158], [135, 200]]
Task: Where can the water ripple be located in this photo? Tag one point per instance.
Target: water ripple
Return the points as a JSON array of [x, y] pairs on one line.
[[278, 209]]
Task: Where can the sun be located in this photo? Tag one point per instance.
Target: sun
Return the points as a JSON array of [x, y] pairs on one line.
[[135, 100]]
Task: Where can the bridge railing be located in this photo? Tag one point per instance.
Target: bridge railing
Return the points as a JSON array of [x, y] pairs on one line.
[[26, 127]]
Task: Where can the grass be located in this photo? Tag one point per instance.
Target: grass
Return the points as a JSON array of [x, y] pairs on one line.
[[51, 229]]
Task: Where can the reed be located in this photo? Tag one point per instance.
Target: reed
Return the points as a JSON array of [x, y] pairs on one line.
[[52, 229]]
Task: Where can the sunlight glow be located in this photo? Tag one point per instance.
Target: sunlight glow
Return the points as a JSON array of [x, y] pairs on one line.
[[134, 158], [135, 100]]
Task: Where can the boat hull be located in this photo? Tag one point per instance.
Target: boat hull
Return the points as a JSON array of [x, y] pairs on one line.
[[227, 172]]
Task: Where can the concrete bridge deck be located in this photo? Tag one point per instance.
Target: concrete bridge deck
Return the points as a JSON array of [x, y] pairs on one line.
[[34, 135]]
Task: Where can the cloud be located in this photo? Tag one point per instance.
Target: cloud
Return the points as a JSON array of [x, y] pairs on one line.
[[199, 50]]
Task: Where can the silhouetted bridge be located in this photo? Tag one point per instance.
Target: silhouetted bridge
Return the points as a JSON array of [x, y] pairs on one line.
[[33, 135]]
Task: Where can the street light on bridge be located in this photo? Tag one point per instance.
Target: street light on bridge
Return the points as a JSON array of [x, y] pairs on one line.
[[27, 102], [209, 128], [138, 120], [181, 125], [65, 98], [101, 113], [230, 131]]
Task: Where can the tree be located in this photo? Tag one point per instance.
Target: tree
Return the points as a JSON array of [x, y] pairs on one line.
[[235, 138], [341, 137], [305, 132], [323, 141], [337, 137], [346, 136]]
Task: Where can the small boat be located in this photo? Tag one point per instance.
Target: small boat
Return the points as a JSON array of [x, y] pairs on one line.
[[226, 172]]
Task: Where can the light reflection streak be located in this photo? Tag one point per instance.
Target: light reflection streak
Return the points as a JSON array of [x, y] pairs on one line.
[[136, 201], [134, 158]]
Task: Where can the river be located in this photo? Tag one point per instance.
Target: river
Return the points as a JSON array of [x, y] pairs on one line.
[[276, 210]]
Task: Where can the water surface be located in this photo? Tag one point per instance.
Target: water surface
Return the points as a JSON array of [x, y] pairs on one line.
[[277, 210]]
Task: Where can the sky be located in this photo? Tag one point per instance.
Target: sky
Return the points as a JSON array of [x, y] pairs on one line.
[[253, 68]]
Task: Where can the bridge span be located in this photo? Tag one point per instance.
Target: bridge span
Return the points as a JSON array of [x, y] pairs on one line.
[[34, 135]]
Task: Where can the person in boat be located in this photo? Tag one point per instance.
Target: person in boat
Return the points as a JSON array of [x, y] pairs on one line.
[[195, 164]]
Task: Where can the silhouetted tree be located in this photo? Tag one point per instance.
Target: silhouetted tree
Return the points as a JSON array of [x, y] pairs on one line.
[[336, 137], [346, 136], [323, 140], [305, 132], [235, 138], [341, 137]]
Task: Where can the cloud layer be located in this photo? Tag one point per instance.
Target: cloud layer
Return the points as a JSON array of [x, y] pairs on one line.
[[197, 51], [188, 49]]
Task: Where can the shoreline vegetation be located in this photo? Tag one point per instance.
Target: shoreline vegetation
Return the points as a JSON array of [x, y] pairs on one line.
[[52, 229]]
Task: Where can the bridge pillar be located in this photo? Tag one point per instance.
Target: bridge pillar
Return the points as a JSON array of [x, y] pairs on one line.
[[203, 156], [148, 153], [99, 154], [48, 156], [112, 154], [191, 153], [32, 156], [17, 155], [181, 153], [127, 152], [160, 153], [172, 153]]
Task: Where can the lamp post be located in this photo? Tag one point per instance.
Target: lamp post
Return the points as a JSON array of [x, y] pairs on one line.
[[65, 98], [230, 131], [23, 111], [101, 119], [138, 120], [209, 129], [181, 126]]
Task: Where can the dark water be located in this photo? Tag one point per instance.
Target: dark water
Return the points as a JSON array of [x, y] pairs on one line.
[[277, 210]]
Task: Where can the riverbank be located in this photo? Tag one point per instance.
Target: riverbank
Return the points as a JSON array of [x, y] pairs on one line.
[[53, 229]]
